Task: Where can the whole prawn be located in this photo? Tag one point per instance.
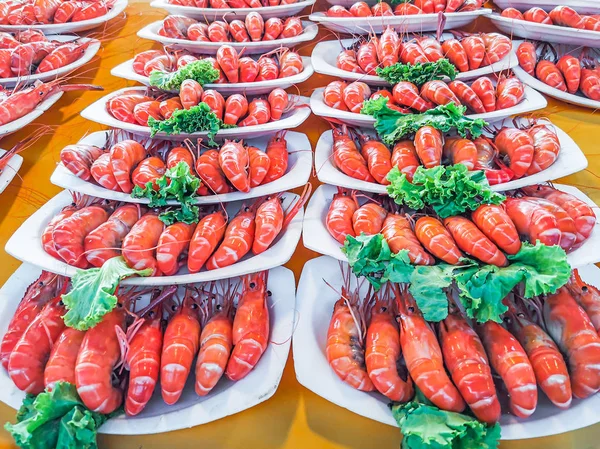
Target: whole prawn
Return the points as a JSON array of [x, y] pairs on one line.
[[340, 213], [63, 358], [587, 296], [368, 219], [172, 247], [472, 241], [347, 157], [250, 331], [400, 236], [139, 244], [437, 240], [207, 235]]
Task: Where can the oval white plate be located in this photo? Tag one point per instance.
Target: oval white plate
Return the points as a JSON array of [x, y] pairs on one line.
[[210, 48], [316, 237], [324, 57], [581, 6], [10, 170], [227, 398], [315, 307], [299, 168], [125, 70], [28, 118], [71, 27], [212, 14], [87, 56], [97, 112], [25, 245], [348, 3], [412, 23], [532, 102], [570, 160], [546, 33]]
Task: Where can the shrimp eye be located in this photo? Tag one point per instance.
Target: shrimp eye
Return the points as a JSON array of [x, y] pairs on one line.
[[194, 306], [269, 294], [584, 289], [411, 309], [60, 303], [173, 307], [151, 314], [521, 315], [119, 304], [384, 309], [219, 307], [507, 319], [41, 283], [41, 93], [252, 284]]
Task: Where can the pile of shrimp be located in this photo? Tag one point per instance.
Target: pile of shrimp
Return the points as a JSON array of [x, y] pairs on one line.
[[381, 342], [226, 4], [232, 66], [20, 101], [561, 16], [479, 96], [534, 213], [234, 166], [508, 154], [224, 326], [88, 235], [34, 12], [465, 51], [567, 73], [28, 52], [137, 108], [412, 7], [253, 29]]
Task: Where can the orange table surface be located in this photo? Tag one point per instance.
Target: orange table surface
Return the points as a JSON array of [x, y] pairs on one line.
[[294, 417]]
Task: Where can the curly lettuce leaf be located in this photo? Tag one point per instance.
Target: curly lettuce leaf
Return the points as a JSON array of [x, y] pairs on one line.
[[56, 419], [449, 190], [179, 184], [418, 73], [201, 71], [392, 125], [367, 255], [92, 292], [399, 269], [427, 427], [427, 285], [187, 121]]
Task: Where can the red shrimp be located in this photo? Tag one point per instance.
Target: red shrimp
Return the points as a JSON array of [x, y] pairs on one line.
[[437, 240], [172, 247], [250, 331], [259, 163], [400, 236], [78, 159], [208, 234], [124, 156], [404, 156], [510, 91], [236, 106], [456, 54], [366, 58], [432, 48], [340, 215], [517, 148], [475, 48], [333, 95], [407, 94], [360, 9], [215, 102], [63, 358], [237, 241], [566, 16], [248, 70], [510, 361], [407, 9], [380, 9], [494, 222], [512, 13], [273, 29], [292, 27], [69, 234], [259, 113], [355, 94], [428, 145], [546, 147], [533, 221], [101, 171], [565, 223], [209, 171], [42, 290], [590, 84], [346, 60], [233, 160], [368, 219], [548, 73], [148, 171], [347, 157], [121, 106], [438, 92], [469, 367], [388, 47], [190, 93], [484, 89], [412, 53], [255, 26], [290, 64], [527, 57], [378, 158], [467, 96], [237, 29], [268, 69], [570, 67], [104, 242], [537, 15], [139, 244], [472, 241], [587, 296], [278, 102]]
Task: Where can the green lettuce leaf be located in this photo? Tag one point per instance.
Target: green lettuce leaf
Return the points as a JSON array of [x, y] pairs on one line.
[[399, 269], [427, 285], [56, 420], [195, 119], [92, 292], [449, 190], [366, 255], [419, 73], [392, 125], [201, 71], [427, 427], [178, 183]]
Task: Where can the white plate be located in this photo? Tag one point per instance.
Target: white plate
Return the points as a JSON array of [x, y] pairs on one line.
[[532, 102], [210, 48], [324, 57], [212, 14], [546, 33], [316, 237], [71, 27], [87, 56], [315, 307], [227, 398], [16, 125], [412, 23], [97, 112], [25, 245], [10, 170], [581, 6], [125, 70], [299, 169], [348, 3], [570, 160]]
